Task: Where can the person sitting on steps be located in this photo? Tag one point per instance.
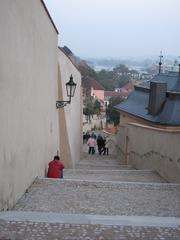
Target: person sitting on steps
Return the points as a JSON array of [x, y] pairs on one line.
[[55, 169]]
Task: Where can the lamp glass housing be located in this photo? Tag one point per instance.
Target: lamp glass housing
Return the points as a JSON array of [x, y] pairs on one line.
[[70, 87]]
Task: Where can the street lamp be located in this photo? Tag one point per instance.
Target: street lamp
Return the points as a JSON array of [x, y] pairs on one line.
[[70, 89]]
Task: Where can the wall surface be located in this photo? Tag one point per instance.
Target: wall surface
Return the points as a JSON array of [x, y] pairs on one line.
[[151, 148], [70, 117], [28, 92], [94, 123], [98, 93], [126, 118]]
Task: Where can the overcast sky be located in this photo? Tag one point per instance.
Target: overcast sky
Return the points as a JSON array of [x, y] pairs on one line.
[[117, 28]]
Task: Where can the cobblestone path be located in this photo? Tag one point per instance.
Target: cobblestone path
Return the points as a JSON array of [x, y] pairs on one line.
[[57, 231], [100, 199]]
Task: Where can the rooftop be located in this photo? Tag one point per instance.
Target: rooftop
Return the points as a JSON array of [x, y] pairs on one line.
[[116, 94], [138, 101], [129, 86], [89, 82]]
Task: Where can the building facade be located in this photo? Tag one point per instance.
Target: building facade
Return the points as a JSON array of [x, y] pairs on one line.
[[30, 124], [149, 133], [70, 117]]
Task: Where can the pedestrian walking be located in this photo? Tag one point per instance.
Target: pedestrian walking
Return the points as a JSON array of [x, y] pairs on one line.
[[106, 147], [87, 136], [100, 144], [84, 138], [93, 135], [91, 144]]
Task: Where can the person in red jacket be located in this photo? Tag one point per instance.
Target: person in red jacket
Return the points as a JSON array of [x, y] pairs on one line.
[[55, 169]]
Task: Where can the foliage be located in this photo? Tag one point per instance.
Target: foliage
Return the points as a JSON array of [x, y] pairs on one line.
[[117, 78], [97, 107], [86, 70], [113, 115], [91, 106], [121, 69], [106, 79]]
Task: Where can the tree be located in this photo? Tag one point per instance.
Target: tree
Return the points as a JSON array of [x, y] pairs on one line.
[[111, 114], [106, 79], [97, 107], [110, 80], [121, 69], [88, 106], [91, 106], [123, 80], [86, 70]]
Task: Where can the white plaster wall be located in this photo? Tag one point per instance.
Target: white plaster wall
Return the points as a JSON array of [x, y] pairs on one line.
[[28, 92], [71, 115]]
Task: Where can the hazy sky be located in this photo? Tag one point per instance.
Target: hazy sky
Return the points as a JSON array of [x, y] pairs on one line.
[[117, 28]]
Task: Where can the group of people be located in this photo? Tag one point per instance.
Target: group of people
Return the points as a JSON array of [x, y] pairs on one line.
[[55, 169], [100, 142]]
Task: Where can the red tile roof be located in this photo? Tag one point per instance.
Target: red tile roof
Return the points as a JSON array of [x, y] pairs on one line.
[[92, 83], [96, 85], [129, 86], [115, 94]]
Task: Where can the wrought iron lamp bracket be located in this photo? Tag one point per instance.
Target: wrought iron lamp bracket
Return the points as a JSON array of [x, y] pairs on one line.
[[61, 104]]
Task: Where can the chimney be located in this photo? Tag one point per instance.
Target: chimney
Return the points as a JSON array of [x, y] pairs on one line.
[[157, 96]]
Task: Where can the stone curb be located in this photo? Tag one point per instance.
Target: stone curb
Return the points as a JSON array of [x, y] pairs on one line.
[[113, 183], [108, 171], [143, 221]]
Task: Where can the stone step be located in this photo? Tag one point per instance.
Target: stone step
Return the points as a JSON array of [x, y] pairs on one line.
[[102, 158], [113, 175], [100, 161], [102, 198], [103, 166], [37, 225]]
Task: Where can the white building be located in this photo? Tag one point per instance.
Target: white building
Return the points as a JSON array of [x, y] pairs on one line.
[[30, 79]]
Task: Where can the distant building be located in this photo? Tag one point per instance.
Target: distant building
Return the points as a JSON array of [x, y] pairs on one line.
[[93, 88], [129, 87], [109, 94], [149, 132], [170, 67]]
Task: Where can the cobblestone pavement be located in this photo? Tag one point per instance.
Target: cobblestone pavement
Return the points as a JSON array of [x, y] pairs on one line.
[[98, 197], [109, 192], [113, 175], [57, 231]]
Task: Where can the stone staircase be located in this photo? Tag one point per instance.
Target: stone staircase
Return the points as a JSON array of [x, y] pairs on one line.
[[99, 199]]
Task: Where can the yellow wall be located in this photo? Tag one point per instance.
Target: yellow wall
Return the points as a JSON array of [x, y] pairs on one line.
[[70, 117], [151, 148], [126, 118]]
